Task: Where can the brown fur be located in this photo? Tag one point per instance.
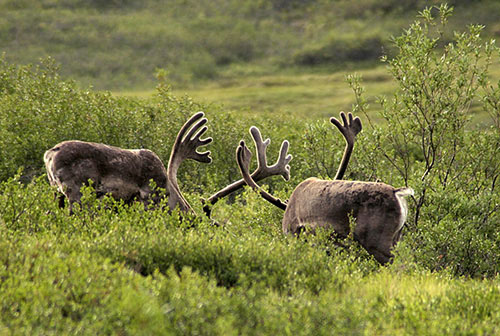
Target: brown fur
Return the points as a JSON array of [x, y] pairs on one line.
[[329, 204], [124, 174]]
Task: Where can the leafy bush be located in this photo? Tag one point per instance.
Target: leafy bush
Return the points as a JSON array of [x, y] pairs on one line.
[[429, 144], [38, 110], [83, 273]]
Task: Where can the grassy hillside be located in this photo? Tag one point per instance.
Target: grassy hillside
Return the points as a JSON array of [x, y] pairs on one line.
[[120, 44]]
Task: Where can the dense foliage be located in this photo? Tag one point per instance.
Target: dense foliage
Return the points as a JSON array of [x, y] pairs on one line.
[[113, 269], [130, 272], [430, 144]]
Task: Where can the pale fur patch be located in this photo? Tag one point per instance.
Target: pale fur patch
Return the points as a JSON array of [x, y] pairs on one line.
[[49, 164], [400, 196]]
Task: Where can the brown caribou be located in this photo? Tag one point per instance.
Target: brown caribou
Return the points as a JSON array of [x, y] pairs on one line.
[[379, 210], [125, 174]]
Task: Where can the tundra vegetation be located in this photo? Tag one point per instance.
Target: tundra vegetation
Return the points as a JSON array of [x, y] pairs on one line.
[[113, 268]]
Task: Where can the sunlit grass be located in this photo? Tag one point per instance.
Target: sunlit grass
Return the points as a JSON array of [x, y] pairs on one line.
[[309, 96], [306, 95]]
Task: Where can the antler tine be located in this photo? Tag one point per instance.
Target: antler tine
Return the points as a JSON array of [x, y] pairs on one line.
[[186, 143], [243, 155], [260, 146], [195, 142], [187, 125], [281, 166], [350, 128]]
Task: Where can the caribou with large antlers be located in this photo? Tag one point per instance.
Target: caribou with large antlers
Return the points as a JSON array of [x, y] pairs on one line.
[[123, 173], [379, 209]]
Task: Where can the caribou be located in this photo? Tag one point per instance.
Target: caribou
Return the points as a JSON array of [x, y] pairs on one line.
[[378, 209], [139, 174], [125, 174]]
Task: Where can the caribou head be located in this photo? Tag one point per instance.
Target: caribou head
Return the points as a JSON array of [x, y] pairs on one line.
[[125, 174], [379, 210]]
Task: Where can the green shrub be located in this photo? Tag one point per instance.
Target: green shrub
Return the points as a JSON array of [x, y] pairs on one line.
[[429, 144], [47, 288], [129, 270], [38, 110]]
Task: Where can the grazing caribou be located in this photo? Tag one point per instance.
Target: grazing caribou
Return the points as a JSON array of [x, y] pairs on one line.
[[379, 209], [125, 174]]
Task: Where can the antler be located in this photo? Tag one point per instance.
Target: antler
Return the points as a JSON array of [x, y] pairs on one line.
[[185, 147], [349, 130], [281, 167], [243, 156]]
